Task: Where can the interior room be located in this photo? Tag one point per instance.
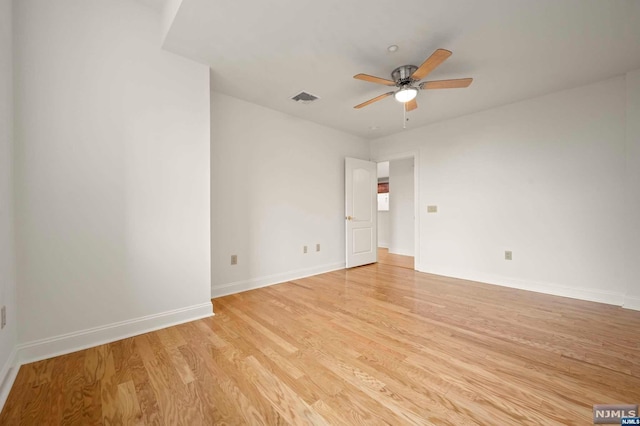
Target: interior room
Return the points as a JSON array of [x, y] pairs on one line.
[[178, 218]]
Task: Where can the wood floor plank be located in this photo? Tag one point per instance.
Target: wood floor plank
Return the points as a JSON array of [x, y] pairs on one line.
[[73, 384], [221, 401], [36, 406], [379, 344], [93, 371], [111, 412], [282, 398], [128, 404], [144, 391], [264, 330], [232, 362], [175, 399]]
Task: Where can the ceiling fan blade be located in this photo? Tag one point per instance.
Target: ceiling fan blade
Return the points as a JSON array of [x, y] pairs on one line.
[[373, 79], [436, 58], [446, 84], [411, 105], [370, 101]]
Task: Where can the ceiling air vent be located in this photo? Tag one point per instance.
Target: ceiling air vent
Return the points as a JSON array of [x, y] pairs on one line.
[[304, 97]]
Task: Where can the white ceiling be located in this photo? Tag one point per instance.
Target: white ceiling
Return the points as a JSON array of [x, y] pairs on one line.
[[266, 52]]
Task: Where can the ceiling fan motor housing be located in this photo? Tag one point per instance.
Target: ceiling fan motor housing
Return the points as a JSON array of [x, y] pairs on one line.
[[402, 75]]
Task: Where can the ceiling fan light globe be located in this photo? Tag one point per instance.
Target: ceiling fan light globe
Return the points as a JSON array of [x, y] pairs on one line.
[[406, 94]]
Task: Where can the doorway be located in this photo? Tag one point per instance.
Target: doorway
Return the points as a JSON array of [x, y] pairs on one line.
[[396, 212]]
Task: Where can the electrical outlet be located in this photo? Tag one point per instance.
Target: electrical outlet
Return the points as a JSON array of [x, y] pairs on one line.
[[432, 209], [508, 255], [304, 249], [234, 259], [317, 247], [3, 319]]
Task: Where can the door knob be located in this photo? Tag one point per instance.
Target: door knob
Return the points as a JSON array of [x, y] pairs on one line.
[[349, 218]]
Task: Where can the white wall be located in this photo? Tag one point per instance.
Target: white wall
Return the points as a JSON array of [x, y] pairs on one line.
[[383, 229], [543, 178], [401, 207], [112, 176], [633, 189], [170, 9], [277, 184], [8, 335]]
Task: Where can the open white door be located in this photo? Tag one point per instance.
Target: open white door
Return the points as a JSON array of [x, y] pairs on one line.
[[361, 212]]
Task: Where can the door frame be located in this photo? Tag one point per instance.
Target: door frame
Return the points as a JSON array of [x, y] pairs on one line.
[[416, 197]]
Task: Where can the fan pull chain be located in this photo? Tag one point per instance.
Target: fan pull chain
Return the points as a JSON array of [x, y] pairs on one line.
[[404, 116]]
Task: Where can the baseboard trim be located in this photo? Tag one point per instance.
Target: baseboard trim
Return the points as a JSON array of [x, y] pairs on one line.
[[71, 342], [383, 245], [254, 283], [631, 303], [609, 298], [8, 376]]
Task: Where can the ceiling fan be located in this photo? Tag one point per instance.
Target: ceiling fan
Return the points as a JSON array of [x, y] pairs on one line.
[[406, 76]]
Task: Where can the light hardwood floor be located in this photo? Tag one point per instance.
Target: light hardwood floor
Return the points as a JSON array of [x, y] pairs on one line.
[[394, 259], [371, 345]]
